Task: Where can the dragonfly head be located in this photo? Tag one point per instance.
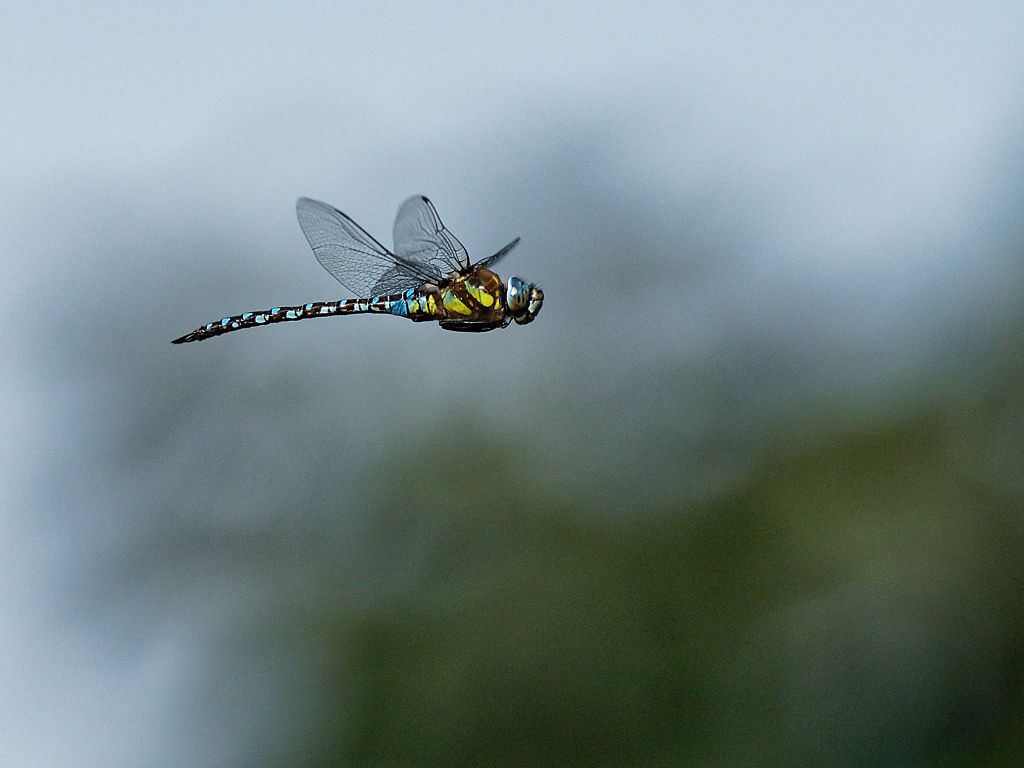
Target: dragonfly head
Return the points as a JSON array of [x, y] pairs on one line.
[[524, 300]]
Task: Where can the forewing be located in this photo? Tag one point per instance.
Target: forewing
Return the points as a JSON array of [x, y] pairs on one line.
[[492, 260], [353, 256], [421, 238]]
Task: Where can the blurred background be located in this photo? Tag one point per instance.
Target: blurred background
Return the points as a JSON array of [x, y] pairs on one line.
[[748, 493]]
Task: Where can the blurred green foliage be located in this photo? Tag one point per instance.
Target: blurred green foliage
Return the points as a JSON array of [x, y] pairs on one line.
[[856, 601]]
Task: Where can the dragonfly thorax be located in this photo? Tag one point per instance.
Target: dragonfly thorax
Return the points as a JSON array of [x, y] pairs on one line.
[[475, 297]]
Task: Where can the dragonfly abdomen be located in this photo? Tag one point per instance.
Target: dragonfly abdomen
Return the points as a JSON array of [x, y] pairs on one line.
[[414, 304], [417, 304], [275, 315]]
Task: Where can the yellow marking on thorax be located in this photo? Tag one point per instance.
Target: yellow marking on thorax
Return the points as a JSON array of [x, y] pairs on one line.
[[454, 304], [481, 295]]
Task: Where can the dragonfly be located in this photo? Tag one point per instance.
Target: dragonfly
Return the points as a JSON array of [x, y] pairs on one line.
[[428, 276]]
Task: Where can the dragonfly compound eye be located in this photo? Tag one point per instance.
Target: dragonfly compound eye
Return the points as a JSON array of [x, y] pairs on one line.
[[517, 296]]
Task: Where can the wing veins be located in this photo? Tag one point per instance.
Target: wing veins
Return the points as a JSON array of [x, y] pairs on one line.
[[421, 237], [353, 256]]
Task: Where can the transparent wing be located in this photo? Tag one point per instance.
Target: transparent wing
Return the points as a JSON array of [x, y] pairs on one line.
[[396, 280], [353, 256], [421, 237], [492, 260]]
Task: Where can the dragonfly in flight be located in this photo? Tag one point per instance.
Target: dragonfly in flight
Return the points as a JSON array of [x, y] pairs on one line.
[[427, 277]]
